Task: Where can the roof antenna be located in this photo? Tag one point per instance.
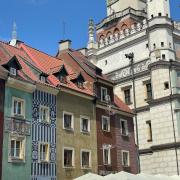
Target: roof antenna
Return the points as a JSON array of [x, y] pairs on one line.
[[14, 35], [64, 29]]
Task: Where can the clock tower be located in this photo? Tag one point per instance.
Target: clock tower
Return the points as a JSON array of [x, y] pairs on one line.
[[114, 6]]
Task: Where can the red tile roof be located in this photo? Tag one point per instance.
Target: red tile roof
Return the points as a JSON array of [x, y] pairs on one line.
[[119, 103]]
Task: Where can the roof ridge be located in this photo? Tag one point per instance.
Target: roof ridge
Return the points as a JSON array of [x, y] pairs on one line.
[[42, 52]]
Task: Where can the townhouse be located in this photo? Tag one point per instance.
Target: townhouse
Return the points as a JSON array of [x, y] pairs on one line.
[[16, 160], [116, 150]]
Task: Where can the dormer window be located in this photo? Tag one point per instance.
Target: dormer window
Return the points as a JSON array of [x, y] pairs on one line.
[[80, 85], [63, 79], [43, 79], [13, 71]]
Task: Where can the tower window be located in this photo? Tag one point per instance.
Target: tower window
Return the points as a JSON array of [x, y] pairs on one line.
[[163, 56], [170, 45], [147, 45], [149, 131], [152, 15], [154, 46], [162, 44], [166, 85], [159, 14], [106, 62]]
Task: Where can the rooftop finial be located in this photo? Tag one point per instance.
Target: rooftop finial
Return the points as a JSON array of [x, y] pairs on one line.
[[14, 32]]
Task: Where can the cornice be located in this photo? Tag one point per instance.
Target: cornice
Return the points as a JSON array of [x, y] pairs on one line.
[[21, 85]]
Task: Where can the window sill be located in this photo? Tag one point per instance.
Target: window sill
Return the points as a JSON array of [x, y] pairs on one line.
[[84, 168], [149, 140], [20, 117], [85, 132], [106, 131], [148, 99], [109, 165], [16, 160], [44, 162], [69, 167], [69, 130]]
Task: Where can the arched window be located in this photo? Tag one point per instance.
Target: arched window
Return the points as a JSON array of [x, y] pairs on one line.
[[124, 26], [109, 36]]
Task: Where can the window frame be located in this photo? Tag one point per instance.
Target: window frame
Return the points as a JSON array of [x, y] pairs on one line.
[[48, 152], [129, 97], [90, 160], [109, 123], [128, 163], [73, 157], [13, 71], [48, 114], [22, 153], [107, 147], [72, 121], [89, 124], [126, 126], [23, 106], [149, 131], [106, 90]]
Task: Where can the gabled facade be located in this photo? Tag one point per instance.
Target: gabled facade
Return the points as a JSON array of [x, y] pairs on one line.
[[138, 47], [16, 161], [110, 141]]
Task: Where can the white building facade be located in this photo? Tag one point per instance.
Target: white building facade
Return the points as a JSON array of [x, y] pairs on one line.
[[144, 28]]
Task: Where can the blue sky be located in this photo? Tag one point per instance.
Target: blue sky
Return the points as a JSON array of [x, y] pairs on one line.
[[40, 22]]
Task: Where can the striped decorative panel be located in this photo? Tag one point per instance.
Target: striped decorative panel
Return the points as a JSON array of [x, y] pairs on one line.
[[43, 133]]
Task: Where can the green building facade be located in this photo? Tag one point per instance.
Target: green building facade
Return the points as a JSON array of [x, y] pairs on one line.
[[17, 140]]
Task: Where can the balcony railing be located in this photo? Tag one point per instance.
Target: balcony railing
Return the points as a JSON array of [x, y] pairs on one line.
[[17, 125]]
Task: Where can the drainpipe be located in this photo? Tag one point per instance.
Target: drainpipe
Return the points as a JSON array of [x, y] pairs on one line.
[[130, 56], [172, 115]]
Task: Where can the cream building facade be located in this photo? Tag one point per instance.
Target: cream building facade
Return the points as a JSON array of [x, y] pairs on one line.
[[144, 28]]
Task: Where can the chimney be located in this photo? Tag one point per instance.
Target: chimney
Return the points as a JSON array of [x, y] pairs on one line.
[[64, 45]]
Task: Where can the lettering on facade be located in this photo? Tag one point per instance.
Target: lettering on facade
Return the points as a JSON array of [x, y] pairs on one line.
[[138, 68]]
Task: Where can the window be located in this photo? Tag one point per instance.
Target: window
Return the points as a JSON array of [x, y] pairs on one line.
[[17, 149], [159, 14], [106, 62], [103, 93], [124, 127], [107, 154], [149, 90], [63, 79], [85, 124], [43, 79], [162, 44], [154, 46], [149, 131], [80, 84], [166, 85], [127, 96], [85, 159], [13, 71], [147, 45], [125, 158], [44, 152], [152, 15], [105, 123], [68, 157], [18, 107], [44, 114], [163, 56], [68, 121]]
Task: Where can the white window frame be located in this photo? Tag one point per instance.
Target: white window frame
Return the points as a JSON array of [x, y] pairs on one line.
[[89, 124], [23, 107], [124, 151], [21, 158], [48, 115], [109, 126], [73, 157], [90, 161], [48, 151], [126, 125], [72, 120], [107, 147], [13, 71], [103, 88]]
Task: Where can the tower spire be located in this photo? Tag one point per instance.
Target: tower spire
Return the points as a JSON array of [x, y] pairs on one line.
[[14, 35]]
